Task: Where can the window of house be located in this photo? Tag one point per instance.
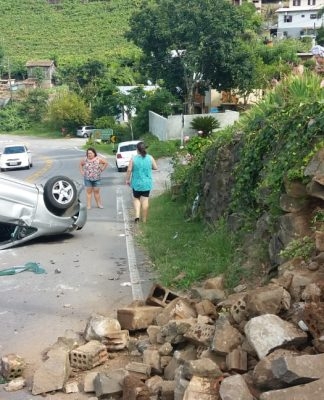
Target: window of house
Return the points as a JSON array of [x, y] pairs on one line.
[[287, 18], [311, 2], [297, 2], [313, 16]]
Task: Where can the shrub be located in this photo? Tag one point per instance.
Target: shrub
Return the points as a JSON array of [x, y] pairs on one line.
[[205, 124]]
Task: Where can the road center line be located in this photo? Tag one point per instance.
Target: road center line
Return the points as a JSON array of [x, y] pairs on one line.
[[131, 258]]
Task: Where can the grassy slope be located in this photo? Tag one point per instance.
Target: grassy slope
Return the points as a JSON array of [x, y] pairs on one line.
[[34, 29]]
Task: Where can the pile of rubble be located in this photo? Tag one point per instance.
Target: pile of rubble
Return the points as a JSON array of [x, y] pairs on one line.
[[266, 344]]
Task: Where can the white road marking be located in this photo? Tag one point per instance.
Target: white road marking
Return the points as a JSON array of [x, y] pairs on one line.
[[132, 265]]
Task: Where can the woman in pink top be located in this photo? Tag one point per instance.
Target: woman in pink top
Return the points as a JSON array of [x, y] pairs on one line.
[[91, 168]]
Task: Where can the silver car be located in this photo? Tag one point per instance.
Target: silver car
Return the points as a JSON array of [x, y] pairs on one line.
[[28, 211]]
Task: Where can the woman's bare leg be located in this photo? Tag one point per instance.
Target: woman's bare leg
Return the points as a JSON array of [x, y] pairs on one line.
[[96, 193], [144, 206], [89, 194], [137, 207]]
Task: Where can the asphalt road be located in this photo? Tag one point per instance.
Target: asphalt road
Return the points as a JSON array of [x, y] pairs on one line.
[[96, 270]]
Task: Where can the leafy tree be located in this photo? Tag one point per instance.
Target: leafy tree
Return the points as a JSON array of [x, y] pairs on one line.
[[160, 101], [187, 42], [127, 103], [105, 102], [11, 119], [1, 55], [34, 105], [68, 110], [320, 36]]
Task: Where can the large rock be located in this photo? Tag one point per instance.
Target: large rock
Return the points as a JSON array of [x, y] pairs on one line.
[[99, 327], [298, 369], [310, 391], [263, 376], [226, 337], [268, 332], [235, 388], [266, 300]]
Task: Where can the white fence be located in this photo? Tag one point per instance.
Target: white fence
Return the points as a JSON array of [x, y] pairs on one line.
[[171, 128]]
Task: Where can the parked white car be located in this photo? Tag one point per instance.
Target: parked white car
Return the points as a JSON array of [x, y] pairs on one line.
[[15, 156], [125, 151], [85, 131]]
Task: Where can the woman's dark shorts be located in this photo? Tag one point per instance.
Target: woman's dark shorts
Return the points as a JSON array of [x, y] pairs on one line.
[[138, 193]]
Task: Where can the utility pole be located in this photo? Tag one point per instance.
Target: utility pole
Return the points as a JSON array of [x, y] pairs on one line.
[[9, 76]]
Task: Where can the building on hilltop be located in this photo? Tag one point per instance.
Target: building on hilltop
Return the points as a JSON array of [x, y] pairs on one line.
[[41, 70], [300, 19]]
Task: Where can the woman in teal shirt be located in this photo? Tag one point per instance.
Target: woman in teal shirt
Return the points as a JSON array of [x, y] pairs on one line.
[[139, 177]]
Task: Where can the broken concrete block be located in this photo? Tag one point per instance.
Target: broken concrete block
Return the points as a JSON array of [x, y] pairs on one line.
[[202, 389], [135, 389], [99, 326], [154, 384], [12, 366], [160, 296], [53, 373], [226, 337], [235, 388], [177, 309], [181, 383], [89, 355], [166, 349], [236, 361], [200, 334], [153, 332], [88, 381], [167, 390], [170, 369], [116, 340], [152, 358], [139, 368], [165, 361], [71, 387], [109, 384], [267, 332], [203, 368], [206, 307], [15, 384], [137, 318], [173, 332]]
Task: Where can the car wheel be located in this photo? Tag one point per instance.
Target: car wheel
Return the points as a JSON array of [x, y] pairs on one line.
[[119, 169], [60, 192], [85, 135], [3, 169]]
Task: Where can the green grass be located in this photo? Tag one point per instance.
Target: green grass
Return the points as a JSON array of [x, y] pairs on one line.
[[184, 251], [71, 30], [39, 130]]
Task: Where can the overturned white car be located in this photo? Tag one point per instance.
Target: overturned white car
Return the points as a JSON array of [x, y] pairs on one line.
[[30, 210]]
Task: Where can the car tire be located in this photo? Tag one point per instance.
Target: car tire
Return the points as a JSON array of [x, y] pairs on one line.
[[59, 192], [119, 169], [3, 169], [85, 135]]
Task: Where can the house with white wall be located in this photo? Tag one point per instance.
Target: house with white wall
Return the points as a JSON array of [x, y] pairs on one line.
[[300, 19]]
